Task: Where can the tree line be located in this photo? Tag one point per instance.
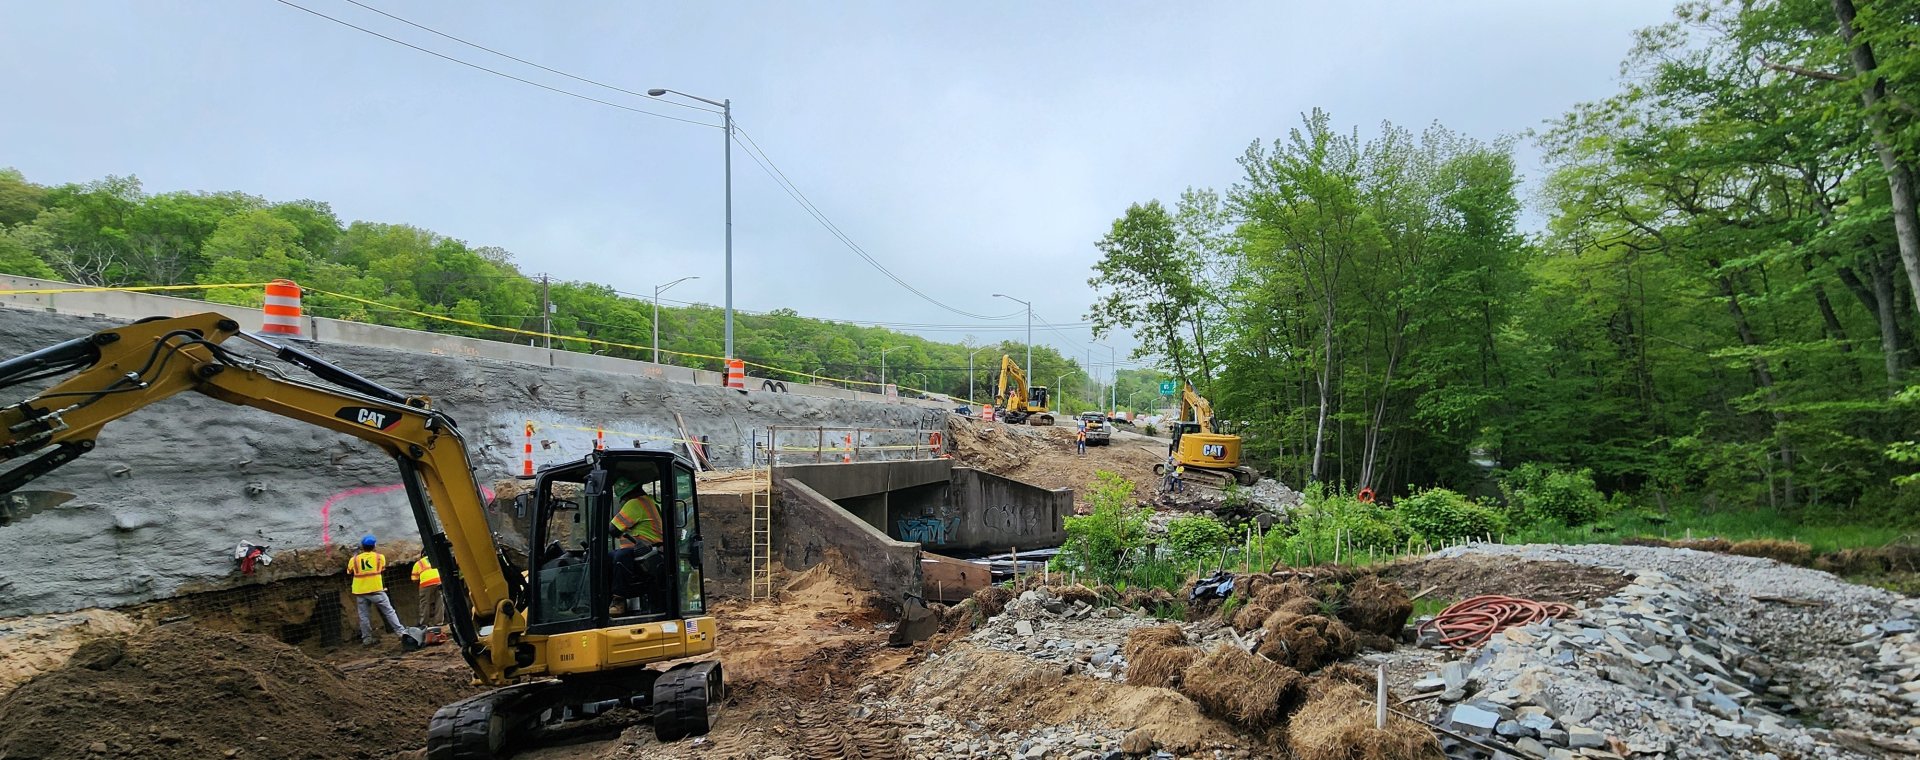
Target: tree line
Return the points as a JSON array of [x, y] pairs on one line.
[[1720, 308], [112, 232]]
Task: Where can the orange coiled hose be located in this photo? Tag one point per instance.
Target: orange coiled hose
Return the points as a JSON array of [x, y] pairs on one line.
[[1468, 623]]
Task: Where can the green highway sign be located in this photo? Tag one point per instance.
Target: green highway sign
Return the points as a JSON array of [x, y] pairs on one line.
[[1166, 387]]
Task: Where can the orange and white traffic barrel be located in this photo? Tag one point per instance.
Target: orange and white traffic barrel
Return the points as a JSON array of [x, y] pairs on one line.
[[282, 312], [737, 374]]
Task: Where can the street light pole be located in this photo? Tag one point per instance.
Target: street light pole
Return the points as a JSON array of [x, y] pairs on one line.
[[883, 367], [726, 139], [657, 290], [970, 371], [1113, 388], [1029, 331]]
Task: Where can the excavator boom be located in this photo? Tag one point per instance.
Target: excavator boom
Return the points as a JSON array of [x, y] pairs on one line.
[[498, 624]]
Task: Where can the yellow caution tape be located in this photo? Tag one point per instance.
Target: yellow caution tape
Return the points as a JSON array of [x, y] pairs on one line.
[[599, 342], [135, 289], [469, 323]]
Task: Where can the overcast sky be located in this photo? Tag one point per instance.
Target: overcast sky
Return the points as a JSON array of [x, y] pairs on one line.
[[971, 147]]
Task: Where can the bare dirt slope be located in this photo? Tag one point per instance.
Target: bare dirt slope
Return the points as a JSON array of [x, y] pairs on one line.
[[182, 691], [1044, 456]]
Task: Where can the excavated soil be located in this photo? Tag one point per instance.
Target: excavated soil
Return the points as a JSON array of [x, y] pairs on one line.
[[1044, 456], [182, 691], [1474, 575]]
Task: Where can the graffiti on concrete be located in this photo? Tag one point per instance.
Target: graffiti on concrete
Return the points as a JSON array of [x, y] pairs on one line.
[[773, 385], [925, 530], [1001, 517]]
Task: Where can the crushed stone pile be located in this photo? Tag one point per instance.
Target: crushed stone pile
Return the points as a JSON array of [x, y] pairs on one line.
[[1702, 655], [1080, 636], [187, 692]]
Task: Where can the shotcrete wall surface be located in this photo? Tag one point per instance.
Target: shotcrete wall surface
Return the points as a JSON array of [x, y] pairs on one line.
[[157, 509]]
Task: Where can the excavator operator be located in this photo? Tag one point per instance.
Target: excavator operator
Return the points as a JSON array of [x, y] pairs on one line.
[[637, 536]]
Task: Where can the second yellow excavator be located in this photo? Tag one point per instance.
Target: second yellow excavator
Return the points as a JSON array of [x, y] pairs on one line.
[[565, 633], [1018, 402], [1212, 459]]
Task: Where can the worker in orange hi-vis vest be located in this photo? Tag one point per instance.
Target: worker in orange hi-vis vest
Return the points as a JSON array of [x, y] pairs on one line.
[[428, 576], [370, 590]]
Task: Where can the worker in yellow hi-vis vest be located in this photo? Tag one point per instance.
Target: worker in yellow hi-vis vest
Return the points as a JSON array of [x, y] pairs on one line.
[[370, 590], [637, 545], [425, 574]]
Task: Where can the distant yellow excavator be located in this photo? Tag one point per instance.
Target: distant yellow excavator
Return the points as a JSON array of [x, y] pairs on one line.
[[1212, 459], [1017, 401]]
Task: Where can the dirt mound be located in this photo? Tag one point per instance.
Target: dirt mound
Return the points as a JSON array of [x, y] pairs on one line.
[[1375, 606], [1338, 724], [1011, 692], [992, 600], [1306, 642], [1234, 684], [1156, 655], [188, 692], [1790, 552], [1894, 558], [1044, 456], [1474, 575]]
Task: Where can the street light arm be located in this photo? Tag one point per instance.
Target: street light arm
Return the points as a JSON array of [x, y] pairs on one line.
[[659, 91]]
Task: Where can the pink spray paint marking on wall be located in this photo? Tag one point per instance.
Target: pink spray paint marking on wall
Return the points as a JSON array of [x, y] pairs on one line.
[[326, 507]]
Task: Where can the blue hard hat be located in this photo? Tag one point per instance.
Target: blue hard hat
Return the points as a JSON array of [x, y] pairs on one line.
[[367, 541]]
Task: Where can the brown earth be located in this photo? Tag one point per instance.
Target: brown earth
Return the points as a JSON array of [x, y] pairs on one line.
[[1044, 456], [1455, 578], [182, 691]]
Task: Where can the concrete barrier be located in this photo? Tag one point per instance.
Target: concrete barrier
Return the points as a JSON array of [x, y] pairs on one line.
[[122, 305]]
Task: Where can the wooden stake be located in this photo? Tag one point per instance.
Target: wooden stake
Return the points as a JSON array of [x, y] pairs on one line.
[[1380, 698]]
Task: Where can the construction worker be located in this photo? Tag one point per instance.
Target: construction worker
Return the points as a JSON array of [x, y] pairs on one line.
[[369, 590], [1167, 483], [1080, 439], [637, 536], [1179, 478], [428, 577]]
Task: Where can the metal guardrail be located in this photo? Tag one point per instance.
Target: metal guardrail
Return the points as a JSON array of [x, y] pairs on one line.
[[785, 444]]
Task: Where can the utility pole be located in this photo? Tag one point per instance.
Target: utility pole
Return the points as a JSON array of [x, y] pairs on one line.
[[546, 311], [726, 141]]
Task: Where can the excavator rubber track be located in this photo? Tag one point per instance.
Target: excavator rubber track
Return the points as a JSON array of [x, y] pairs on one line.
[[682, 702], [1213, 479]]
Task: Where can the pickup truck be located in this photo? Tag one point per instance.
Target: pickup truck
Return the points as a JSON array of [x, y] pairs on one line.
[[1099, 430]]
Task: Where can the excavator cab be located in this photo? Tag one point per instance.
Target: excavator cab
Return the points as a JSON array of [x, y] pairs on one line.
[[591, 574]]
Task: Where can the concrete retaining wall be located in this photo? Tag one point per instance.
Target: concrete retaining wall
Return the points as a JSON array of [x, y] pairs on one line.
[[815, 527], [159, 506], [119, 305], [994, 514]]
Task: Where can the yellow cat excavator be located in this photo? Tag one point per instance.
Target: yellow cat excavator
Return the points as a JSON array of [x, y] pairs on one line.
[[1018, 402], [567, 636], [1212, 459]]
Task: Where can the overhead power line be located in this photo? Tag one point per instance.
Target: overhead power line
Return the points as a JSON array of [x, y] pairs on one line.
[[793, 191], [549, 69], [469, 64], [752, 148]]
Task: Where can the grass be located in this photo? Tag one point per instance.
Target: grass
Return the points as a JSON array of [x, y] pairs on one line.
[[1733, 526], [1428, 605]]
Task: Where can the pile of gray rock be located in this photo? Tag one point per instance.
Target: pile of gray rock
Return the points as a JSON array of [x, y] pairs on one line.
[[1082, 637], [1663, 669]]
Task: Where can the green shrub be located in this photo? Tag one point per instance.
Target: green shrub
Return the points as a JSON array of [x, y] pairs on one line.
[[1196, 536], [1438, 513], [1535, 492], [1097, 542]]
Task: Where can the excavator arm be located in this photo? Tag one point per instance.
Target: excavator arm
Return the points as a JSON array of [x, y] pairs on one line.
[[1013, 385], [120, 371], [1195, 407]]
